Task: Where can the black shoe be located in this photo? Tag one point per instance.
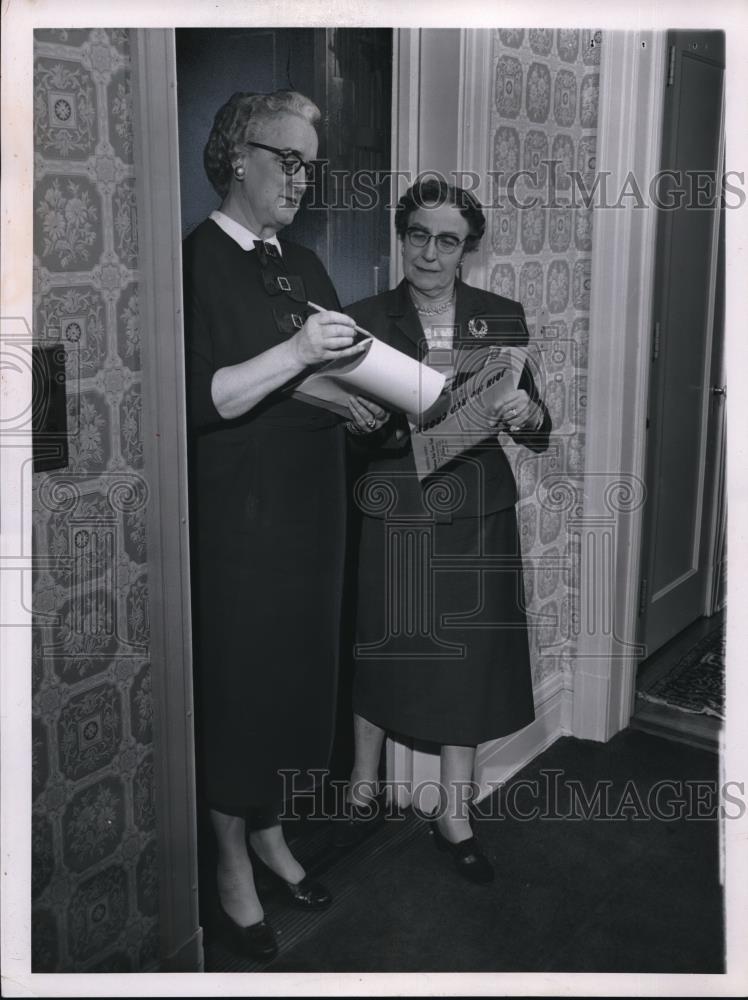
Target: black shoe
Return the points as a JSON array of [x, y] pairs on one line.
[[357, 823], [306, 894], [255, 941], [469, 860]]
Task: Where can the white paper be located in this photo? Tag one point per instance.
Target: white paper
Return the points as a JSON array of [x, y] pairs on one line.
[[464, 416], [382, 374]]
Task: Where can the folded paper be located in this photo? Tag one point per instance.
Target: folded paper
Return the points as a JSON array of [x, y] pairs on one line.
[[380, 373]]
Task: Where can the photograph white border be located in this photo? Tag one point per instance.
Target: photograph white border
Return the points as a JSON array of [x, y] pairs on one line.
[[20, 18]]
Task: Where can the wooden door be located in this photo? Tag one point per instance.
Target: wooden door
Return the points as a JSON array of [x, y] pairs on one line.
[[354, 89], [683, 410]]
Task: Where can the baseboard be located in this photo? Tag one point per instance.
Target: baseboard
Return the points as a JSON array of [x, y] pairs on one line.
[[497, 761], [188, 957], [417, 773]]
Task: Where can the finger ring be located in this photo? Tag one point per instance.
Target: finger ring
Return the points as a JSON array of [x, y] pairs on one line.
[[371, 423]]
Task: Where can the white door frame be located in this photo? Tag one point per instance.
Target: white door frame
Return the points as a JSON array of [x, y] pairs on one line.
[[165, 457], [632, 81]]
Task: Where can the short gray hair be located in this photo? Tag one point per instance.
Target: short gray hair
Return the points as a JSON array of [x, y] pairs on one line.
[[239, 120]]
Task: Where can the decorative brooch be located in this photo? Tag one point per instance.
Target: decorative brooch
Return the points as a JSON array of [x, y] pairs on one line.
[[478, 327]]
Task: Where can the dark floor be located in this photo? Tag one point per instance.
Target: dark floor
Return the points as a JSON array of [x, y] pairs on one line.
[[624, 892]]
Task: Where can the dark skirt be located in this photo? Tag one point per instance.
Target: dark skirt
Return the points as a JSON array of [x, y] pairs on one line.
[[442, 652], [268, 591]]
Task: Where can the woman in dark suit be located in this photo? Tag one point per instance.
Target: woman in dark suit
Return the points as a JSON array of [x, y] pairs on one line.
[[442, 651], [267, 500]]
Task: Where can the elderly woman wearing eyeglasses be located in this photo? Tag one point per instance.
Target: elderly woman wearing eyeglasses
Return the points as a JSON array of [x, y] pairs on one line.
[[267, 503], [442, 651]]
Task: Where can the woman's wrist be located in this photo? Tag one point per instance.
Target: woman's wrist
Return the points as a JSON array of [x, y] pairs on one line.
[[295, 354]]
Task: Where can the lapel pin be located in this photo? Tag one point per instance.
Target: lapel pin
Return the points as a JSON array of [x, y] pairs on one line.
[[478, 327]]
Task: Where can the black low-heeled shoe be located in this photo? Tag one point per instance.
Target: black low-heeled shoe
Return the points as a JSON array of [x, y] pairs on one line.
[[469, 860], [255, 941], [306, 894]]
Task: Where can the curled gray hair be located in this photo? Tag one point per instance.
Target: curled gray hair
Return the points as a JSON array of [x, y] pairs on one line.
[[239, 120]]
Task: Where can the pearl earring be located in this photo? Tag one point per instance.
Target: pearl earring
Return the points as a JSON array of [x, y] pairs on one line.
[[239, 172]]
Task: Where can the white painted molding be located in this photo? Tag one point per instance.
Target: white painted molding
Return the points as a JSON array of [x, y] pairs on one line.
[[476, 94], [406, 85], [497, 761], [716, 499], [714, 600], [406, 114], [632, 80], [400, 771], [165, 457]]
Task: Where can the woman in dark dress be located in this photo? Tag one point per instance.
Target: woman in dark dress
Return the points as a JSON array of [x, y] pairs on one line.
[[442, 652], [267, 499]]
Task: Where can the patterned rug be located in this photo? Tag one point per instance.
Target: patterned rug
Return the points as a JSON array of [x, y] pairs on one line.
[[696, 683]]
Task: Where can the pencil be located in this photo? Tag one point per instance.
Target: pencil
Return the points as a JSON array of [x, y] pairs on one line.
[[358, 329]]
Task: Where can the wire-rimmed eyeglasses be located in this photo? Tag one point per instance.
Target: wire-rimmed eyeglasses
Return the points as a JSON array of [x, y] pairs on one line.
[[445, 242], [291, 160]]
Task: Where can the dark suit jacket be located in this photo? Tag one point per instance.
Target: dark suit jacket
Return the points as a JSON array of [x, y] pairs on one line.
[[479, 480]]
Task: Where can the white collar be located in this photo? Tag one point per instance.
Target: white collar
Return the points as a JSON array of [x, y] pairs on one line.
[[243, 236]]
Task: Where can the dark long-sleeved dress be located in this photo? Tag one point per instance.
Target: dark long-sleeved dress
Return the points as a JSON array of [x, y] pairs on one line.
[[267, 514], [442, 650]]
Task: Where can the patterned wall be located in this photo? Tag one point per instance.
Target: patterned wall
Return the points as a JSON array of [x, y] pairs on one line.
[[544, 108], [94, 873]]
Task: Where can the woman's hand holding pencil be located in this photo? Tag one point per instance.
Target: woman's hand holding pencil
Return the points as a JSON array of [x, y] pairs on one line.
[[326, 335]]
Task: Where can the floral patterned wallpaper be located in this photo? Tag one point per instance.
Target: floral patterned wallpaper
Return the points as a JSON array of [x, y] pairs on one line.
[[544, 118], [94, 871]]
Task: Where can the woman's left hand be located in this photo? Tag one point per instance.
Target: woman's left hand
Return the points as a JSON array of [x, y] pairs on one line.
[[517, 412], [366, 416]]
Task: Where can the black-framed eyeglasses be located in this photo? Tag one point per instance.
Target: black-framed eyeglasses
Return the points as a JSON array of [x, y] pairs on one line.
[[445, 242], [291, 160]]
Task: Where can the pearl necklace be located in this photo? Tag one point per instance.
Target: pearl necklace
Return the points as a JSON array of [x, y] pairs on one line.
[[436, 309]]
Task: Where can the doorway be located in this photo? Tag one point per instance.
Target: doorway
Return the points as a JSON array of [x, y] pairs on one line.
[[682, 580], [344, 219], [172, 113], [685, 411]]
